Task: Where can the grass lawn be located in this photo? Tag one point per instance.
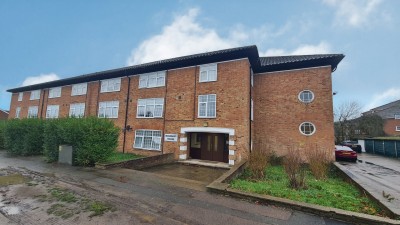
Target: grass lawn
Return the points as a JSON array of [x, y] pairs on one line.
[[119, 157], [332, 192]]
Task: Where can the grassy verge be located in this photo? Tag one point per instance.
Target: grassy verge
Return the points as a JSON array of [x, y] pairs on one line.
[[331, 192], [119, 157]]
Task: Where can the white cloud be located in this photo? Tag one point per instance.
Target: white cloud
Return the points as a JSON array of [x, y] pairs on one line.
[[40, 79], [183, 36], [387, 96], [322, 48], [356, 13]]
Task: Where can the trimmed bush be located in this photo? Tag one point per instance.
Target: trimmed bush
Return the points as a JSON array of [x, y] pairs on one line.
[[2, 128], [24, 137]]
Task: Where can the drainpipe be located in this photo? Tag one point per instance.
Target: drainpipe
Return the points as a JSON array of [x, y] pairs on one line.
[[126, 114], [251, 122]]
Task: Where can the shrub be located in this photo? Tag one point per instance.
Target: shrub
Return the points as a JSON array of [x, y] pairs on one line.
[[294, 168], [2, 128], [318, 161], [24, 137], [258, 160]]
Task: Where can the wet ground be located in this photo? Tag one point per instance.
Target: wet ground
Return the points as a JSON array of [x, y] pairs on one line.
[[202, 174], [138, 197], [378, 175]]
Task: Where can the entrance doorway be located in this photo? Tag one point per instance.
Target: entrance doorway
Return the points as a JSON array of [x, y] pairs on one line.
[[209, 146]]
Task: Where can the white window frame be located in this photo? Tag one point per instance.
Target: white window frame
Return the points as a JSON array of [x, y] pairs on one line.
[[397, 128], [17, 112], [302, 132], [33, 112], [35, 95], [153, 139], [252, 110], [55, 92], [110, 85], [302, 100], [207, 104], [146, 104], [20, 96], [108, 106], [204, 75], [79, 89], [397, 116], [77, 110], [52, 111], [158, 77]]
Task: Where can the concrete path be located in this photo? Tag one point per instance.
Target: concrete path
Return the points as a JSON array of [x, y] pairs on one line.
[[380, 176], [166, 200]]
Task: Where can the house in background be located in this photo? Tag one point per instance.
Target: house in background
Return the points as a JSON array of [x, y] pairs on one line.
[[214, 106], [390, 113], [3, 114]]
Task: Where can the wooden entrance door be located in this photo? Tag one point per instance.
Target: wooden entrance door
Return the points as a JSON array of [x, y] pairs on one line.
[[212, 147]]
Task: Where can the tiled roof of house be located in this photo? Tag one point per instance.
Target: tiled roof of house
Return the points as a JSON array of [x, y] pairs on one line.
[[259, 65], [386, 111]]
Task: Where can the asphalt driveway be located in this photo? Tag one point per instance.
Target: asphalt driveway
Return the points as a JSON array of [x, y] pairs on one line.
[[150, 198]]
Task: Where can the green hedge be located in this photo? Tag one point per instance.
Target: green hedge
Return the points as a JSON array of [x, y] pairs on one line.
[[24, 137], [93, 139], [2, 128]]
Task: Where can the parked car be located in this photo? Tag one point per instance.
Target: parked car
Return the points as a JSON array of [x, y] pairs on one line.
[[353, 145], [344, 152]]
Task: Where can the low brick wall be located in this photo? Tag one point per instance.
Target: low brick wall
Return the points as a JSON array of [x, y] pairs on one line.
[[139, 163]]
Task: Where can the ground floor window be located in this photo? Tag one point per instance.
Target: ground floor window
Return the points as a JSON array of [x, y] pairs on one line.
[[77, 110], [397, 128], [148, 139], [17, 111], [52, 111], [33, 112]]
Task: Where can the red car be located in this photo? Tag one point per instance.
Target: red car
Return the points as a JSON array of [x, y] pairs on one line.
[[344, 152]]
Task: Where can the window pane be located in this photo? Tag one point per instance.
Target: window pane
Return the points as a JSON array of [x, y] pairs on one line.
[[114, 112], [202, 98], [150, 111], [152, 81], [202, 109], [148, 133], [161, 80], [212, 75], [147, 143], [141, 110], [156, 143], [158, 111], [143, 81], [159, 101], [211, 109], [203, 76], [139, 133], [212, 98], [138, 142]]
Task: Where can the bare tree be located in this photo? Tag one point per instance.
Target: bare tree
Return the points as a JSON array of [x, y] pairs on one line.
[[344, 113]]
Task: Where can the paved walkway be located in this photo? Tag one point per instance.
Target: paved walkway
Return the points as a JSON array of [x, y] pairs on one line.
[[168, 200], [380, 176]]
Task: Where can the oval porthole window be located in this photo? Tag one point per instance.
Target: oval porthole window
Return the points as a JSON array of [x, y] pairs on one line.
[[307, 128], [306, 96]]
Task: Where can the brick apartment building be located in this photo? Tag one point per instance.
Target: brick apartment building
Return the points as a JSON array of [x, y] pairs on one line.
[[390, 113], [211, 106]]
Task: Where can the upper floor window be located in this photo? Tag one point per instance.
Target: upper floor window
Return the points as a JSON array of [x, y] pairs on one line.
[[148, 139], [397, 128], [208, 73], [55, 92], [156, 79], [52, 111], [35, 95], [108, 109], [306, 96], [397, 116], [77, 110], [110, 85], [307, 128], [17, 112], [20, 95], [32, 112], [150, 108], [207, 106], [79, 89]]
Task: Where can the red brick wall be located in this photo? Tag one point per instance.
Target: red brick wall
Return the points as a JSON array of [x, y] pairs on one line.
[[390, 127], [278, 111], [24, 104]]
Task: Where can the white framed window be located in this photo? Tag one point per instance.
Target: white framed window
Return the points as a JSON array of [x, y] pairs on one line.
[[108, 109], [306, 96], [17, 112], [77, 110], [52, 111], [252, 110], [110, 85], [32, 112], [150, 108], [208, 73], [55, 92], [35, 95], [148, 139], [79, 89], [397, 116], [150, 80], [20, 95], [307, 128], [397, 128], [207, 106]]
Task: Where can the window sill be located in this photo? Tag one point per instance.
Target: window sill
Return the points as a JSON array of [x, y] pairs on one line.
[[147, 149], [110, 91]]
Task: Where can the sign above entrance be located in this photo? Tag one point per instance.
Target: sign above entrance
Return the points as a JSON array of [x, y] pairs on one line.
[[171, 137]]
